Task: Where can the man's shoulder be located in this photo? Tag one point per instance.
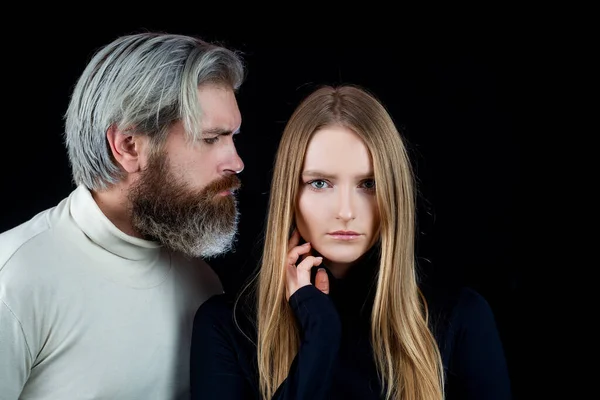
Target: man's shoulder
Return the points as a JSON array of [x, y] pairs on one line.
[[20, 238], [28, 254], [36, 241]]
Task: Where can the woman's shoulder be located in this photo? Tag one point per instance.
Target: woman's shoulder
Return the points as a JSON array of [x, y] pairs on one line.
[[471, 303], [460, 304], [469, 306], [459, 312], [224, 314], [218, 308]]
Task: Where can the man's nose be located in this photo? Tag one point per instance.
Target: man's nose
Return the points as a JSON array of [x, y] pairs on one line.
[[234, 163]]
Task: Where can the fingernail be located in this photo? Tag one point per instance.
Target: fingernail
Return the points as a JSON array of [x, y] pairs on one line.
[[320, 258], [306, 244], [321, 269]]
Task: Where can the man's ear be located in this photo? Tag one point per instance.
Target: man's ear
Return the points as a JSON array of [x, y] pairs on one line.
[[126, 148]]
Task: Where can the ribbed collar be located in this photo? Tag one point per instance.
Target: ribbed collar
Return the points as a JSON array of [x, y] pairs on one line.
[[104, 233]]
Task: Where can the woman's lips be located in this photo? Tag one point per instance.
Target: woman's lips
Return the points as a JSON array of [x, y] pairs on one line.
[[344, 235]]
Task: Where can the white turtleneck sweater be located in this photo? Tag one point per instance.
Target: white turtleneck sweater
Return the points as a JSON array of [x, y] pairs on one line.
[[88, 312]]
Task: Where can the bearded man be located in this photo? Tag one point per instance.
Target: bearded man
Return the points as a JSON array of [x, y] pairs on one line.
[[98, 294]]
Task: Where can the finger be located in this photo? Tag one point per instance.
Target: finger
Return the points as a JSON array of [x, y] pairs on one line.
[[290, 281], [296, 252], [303, 269], [303, 255], [308, 253], [322, 281]]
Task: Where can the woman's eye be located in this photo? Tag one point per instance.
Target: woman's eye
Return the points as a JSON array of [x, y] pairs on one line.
[[318, 184], [369, 184]]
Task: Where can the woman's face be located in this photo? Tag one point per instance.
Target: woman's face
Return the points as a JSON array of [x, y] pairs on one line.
[[337, 208]]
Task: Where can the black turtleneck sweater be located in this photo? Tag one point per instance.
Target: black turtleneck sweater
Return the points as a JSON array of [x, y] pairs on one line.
[[335, 359]]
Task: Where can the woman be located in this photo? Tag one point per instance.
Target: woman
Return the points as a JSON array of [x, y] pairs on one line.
[[342, 216]]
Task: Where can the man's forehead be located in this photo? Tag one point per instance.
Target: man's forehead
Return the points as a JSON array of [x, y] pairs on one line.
[[220, 112]]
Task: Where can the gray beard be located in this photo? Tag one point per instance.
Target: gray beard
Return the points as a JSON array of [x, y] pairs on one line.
[[197, 223]]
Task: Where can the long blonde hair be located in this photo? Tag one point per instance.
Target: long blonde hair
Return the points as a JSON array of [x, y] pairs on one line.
[[405, 351]]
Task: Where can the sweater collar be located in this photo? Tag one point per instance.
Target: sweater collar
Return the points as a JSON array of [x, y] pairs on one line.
[[92, 221]]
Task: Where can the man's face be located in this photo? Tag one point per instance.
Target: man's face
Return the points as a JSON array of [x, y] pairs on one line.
[[184, 197]]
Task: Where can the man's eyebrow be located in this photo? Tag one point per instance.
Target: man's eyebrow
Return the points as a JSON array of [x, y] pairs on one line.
[[219, 132]]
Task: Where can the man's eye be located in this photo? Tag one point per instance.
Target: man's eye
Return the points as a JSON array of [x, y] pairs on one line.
[[212, 140]]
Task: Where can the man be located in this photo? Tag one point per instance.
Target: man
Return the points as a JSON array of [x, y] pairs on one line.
[[98, 294]]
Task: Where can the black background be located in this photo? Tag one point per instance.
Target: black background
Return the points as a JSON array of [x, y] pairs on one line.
[[456, 91]]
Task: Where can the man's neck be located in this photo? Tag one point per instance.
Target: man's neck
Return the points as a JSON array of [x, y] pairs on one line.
[[114, 204]]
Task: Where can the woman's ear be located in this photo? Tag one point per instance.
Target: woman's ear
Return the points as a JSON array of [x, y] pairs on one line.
[[301, 241], [293, 227]]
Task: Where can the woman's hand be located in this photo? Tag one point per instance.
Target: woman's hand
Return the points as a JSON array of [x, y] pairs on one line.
[[299, 276]]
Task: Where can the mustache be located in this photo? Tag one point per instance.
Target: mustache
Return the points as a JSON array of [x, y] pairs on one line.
[[228, 182]]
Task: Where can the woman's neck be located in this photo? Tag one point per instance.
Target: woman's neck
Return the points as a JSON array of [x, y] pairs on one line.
[[339, 270]]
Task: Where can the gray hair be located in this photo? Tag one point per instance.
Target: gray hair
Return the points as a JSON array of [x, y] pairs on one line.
[[144, 83]]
